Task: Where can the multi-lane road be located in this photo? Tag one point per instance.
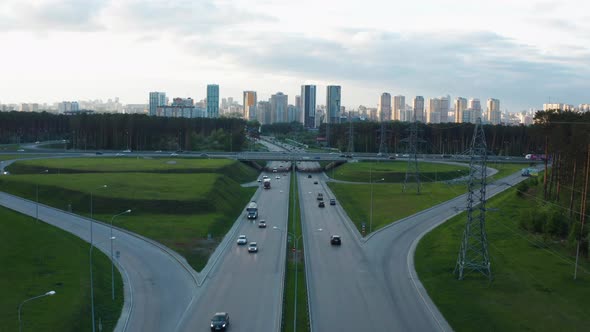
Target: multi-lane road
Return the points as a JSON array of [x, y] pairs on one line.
[[364, 284]]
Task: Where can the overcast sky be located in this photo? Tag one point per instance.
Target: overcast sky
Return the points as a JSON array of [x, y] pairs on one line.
[[524, 53]]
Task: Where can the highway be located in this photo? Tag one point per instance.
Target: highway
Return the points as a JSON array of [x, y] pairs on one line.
[[249, 286], [371, 283], [158, 287]]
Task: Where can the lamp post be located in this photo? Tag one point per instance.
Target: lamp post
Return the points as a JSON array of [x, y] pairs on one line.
[[296, 239], [20, 328], [37, 197], [112, 261], [92, 283], [371, 214]]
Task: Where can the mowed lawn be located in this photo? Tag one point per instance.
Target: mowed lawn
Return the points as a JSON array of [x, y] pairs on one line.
[[189, 211], [532, 288], [395, 171], [37, 258], [124, 164]]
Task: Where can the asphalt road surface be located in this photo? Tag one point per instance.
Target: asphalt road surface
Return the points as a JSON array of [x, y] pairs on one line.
[[249, 286], [370, 284], [159, 287]]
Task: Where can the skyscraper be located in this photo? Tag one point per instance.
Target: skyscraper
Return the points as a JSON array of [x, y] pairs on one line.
[[279, 104], [444, 104], [399, 108], [475, 105], [212, 101], [460, 107], [263, 112], [250, 105], [333, 104], [384, 107], [308, 104], [418, 109], [433, 110], [156, 99], [493, 111]]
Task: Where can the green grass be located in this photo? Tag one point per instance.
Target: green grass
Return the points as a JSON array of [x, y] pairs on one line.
[[188, 212], [289, 306], [36, 258], [505, 169], [533, 287], [395, 171], [119, 165], [389, 202]]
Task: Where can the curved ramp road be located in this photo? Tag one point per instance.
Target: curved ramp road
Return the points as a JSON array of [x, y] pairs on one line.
[[249, 286], [158, 287], [372, 284]]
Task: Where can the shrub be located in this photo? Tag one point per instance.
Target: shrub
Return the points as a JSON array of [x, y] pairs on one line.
[[522, 188]]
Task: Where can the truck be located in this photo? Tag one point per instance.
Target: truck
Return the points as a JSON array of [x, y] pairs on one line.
[[266, 183], [252, 210]]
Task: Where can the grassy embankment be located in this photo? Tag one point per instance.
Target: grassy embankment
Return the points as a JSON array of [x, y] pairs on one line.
[[177, 202], [289, 305], [389, 202], [533, 287], [37, 258]]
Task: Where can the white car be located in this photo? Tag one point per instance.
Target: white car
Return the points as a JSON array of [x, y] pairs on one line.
[[242, 239], [127, 151], [277, 177], [253, 247]]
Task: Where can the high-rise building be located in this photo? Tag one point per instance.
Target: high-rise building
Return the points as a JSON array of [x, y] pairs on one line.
[[308, 104], [279, 104], [399, 108], [460, 107], [433, 112], [493, 111], [333, 103], [419, 109], [292, 113], [263, 112], [212, 101], [475, 106], [157, 99], [384, 107], [250, 102]]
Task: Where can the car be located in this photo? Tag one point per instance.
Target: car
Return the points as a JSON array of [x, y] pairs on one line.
[[321, 204], [5, 173], [335, 240], [119, 154], [332, 201], [204, 155], [127, 151], [405, 155], [342, 156], [37, 142], [259, 180], [320, 197], [315, 182], [253, 247], [348, 156], [21, 150], [158, 151], [309, 176], [242, 239], [262, 224], [316, 158], [277, 177], [220, 321], [265, 177], [392, 157], [173, 154], [98, 153]]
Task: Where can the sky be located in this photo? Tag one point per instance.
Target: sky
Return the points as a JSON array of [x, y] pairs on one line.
[[524, 53]]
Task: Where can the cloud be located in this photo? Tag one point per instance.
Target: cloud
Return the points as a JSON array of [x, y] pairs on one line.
[[47, 15]]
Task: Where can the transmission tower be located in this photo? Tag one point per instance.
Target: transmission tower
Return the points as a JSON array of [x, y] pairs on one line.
[[350, 137], [412, 172], [473, 255], [382, 143]]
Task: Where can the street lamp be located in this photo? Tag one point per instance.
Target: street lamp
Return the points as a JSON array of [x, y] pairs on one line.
[[92, 283], [27, 300], [371, 215], [296, 239], [112, 261], [37, 197]]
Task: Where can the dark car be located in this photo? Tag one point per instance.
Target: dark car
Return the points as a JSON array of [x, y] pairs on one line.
[[335, 240], [315, 182], [98, 153], [321, 204], [332, 201], [309, 176], [220, 321]]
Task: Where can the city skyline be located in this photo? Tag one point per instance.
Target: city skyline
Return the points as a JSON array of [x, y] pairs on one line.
[[81, 50]]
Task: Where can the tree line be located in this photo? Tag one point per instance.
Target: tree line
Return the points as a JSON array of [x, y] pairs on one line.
[[124, 131]]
